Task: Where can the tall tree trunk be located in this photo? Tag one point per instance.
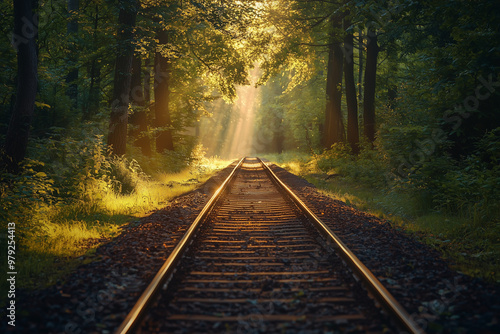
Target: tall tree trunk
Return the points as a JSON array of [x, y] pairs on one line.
[[91, 106], [25, 31], [163, 67], [94, 97], [117, 137], [139, 117], [147, 81], [372, 50], [392, 60], [350, 93], [361, 47], [148, 111], [327, 138], [72, 29], [334, 125]]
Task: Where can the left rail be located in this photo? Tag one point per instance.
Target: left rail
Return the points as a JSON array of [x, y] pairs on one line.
[[165, 273]]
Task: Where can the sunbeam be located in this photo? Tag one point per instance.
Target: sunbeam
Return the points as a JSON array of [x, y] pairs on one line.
[[229, 133]]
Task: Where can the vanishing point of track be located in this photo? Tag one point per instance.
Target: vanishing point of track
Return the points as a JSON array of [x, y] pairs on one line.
[[256, 260]]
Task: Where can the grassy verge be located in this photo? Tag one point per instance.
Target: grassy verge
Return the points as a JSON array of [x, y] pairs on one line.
[[53, 239], [472, 247]]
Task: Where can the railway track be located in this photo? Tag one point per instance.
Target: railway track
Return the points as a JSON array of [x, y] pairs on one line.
[[256, 261]]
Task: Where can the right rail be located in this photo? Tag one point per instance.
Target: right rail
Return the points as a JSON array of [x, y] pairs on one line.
[[371, 282]]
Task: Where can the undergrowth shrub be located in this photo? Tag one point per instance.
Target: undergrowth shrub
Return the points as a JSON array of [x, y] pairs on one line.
[[369, 167], [71, 190], [77, 173], [124, 175], [333, 158], [24, 193], [469, 187], [83, 169], [73, 163], [170, 161], [197, 157]]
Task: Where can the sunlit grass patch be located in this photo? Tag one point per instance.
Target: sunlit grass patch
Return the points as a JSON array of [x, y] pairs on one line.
[[156, 192], [146, 198], [293, 166], [55, 237], [286, 157], [62, 239], [52, 238], [294, 162]]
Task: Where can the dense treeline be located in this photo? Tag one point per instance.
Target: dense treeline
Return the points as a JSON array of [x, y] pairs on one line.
[[412, 95], [134, 63], [96, 96], [85, 79]]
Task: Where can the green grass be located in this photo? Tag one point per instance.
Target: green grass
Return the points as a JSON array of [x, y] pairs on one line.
[[473, 247], [53, 239]]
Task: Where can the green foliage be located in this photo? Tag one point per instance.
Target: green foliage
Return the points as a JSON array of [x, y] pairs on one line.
[[7, 66], [468, 187], [24, 193], [291, 30], [290, 118], [470, 241], [124, 175], [441, 132], [75, 196], [73, 162], [368, 168]]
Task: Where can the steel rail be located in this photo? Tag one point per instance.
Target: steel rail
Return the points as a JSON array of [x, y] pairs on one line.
[[168, 268], [381, 294]]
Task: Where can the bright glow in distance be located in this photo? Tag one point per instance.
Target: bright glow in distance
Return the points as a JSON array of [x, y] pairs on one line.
[[230, 132]]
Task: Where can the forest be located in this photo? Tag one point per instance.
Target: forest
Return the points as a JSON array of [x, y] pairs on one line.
[[109, 109]]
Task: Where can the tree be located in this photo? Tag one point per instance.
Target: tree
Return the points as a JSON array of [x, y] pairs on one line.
[[350, 90], [163, 69], [72, 27], [197, 51], [300, 28], [91, 105], [334, 124], [117, 136], [25, 31], [372, 50], [139, 98], [360, 63]]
